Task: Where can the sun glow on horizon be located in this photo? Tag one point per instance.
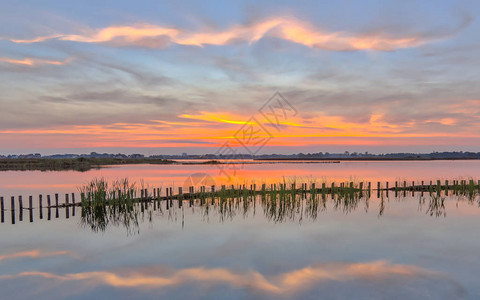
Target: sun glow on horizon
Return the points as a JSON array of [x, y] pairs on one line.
[[211, 130]]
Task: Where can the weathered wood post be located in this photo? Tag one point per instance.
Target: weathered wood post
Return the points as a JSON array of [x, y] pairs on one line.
[[67, 208], [446, 187], [20, 208], [40, 206], [56, 206], [213, 194], [12, 209], [30, 208], [180, 196], [2, 208], [73, 204]]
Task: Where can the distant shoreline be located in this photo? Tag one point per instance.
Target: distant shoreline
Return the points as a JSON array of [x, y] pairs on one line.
[[83, 164], [366, 159]]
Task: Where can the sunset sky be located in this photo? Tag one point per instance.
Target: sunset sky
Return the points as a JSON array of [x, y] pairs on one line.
[[165, 77]]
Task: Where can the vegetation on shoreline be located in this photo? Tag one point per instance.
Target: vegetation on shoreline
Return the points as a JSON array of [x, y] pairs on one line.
[[83, 164], [117, 204], [379, 158], [77, 164], [124, 203]]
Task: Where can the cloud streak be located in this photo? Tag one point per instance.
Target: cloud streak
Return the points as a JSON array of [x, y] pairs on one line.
[[33, 254], [288, 282], [31, 62], [286, 28]]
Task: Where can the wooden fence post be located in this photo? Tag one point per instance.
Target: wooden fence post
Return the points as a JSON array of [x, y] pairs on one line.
[[40, 206], [12, 208], [2, 208]]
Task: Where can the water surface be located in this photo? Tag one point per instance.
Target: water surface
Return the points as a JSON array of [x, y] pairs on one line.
[[386, 247]]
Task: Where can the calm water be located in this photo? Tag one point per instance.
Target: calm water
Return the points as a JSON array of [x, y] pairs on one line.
[[14, 183], [384, 248]]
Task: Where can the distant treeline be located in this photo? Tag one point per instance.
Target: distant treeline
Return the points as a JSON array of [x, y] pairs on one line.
[[368, 156], [77, 164], [140, 158]]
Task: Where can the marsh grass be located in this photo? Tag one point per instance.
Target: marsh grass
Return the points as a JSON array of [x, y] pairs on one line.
[[118, 203], [104, 204], [81, 164]]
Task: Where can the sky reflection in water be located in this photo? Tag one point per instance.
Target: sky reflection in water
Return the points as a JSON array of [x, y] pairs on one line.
[[347, 249]]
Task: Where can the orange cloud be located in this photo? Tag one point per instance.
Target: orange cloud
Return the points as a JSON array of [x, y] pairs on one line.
[[33, 254], [213, 129], [290, 29], [289, 282], [217, 117], [33, 61]]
